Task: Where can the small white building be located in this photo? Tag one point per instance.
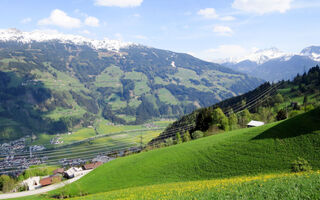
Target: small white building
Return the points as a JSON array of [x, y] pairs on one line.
[[253, 123], [73, 172], [32, 183]]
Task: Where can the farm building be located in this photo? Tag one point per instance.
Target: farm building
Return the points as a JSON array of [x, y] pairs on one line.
[[58, 171], [73, 172], [32, 183], [91, 165], [50, 180], [253, 123]]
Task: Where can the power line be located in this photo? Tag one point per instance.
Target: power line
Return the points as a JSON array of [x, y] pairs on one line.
[[60, 152]]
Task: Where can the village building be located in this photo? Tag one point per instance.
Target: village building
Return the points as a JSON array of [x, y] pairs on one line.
[[50, 180], [253, 123], [73, 172], [58, 171], [91, 165], [32, 183]]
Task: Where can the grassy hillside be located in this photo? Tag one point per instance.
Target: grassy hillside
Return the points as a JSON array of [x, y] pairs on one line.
[[246, 152], [265, 103], [271, 186], [76, 85]]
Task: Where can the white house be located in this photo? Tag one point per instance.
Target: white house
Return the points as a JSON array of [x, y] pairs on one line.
[[253, 123], [32, 183], [73, 172]]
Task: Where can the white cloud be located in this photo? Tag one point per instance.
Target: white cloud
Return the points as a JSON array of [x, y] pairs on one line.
[[26, 20], [119, 3], [223, 30], [262, 6], [209, 13], [61, 19], [227, 18], [92, 21], [222, 52]]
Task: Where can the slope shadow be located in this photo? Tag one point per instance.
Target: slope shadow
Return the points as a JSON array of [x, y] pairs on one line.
[[302, 124], [17, 103]]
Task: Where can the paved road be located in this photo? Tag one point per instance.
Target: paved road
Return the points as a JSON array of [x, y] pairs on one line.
[[41, 190]]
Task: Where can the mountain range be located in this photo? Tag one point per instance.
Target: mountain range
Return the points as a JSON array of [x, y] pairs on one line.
[[52, 82], [274, 65]]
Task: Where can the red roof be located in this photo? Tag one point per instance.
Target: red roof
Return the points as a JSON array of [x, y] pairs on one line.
[[59, 170], [50, 180], [92, 165], [46, 181]]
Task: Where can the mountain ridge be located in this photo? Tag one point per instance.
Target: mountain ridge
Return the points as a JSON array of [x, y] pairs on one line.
[[13, 34], [59, 85], [275, 65]]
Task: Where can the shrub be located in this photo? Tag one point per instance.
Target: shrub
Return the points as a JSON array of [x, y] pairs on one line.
[[281, 115], [178, 138], [197, 134], [169, 141], [22, 188], [7, 183], [300, 165], [309, 107], [294, 113], [186, 137]]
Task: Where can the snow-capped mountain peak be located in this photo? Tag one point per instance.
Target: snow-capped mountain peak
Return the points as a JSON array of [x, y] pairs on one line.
[[312, 52], [13, 34], [261, 56]]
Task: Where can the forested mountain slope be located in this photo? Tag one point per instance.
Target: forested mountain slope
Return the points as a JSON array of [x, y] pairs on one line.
[[53, 83], [267, 103]]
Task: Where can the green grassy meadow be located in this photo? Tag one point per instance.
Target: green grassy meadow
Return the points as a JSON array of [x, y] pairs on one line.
[[271, 186], [268, 149]]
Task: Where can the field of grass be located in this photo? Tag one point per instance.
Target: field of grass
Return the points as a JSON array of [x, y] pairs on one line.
[[103, 128], [245, 152], [272, 186], [167, 97], [59, 112], [43, 139], [78, 135], [252, 163], [126, 138], [42, 170]]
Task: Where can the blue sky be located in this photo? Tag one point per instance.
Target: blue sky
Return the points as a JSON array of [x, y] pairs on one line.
[[209, 29]]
